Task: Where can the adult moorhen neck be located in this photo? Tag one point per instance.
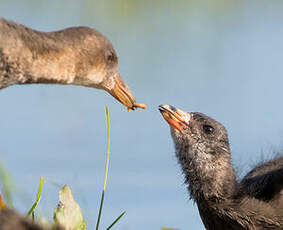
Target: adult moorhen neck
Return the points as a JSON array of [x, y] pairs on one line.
[[202, 149], [76, 56]]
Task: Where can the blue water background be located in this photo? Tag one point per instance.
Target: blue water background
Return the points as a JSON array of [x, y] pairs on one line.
[[222, 58]]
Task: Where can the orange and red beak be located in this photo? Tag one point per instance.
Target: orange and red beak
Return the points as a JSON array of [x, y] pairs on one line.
[[124, 95], [175, 117]]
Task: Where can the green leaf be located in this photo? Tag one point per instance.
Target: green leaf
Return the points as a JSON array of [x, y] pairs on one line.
[[115, 221], [68, 212], [38, 196]]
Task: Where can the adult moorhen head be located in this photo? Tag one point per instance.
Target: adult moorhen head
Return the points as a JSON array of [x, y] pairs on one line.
[[75, 56]]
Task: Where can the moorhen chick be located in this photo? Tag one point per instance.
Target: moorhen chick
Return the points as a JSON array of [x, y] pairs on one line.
[[202, 149]]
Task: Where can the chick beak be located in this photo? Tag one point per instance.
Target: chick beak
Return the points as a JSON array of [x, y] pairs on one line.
[[123, 94], [175, 117]]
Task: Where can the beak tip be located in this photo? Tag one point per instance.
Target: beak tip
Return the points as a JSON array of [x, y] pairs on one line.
[[124, 95], [164, 107], [139, 105]]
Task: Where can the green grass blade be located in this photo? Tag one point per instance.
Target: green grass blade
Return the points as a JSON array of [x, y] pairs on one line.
[[115, 221], [100, 210], [32, 216], [37, 197], [106, 168], [7, 185], [108, 148]]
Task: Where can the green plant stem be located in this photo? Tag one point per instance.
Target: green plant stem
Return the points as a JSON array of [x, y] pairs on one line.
[[106, 168]]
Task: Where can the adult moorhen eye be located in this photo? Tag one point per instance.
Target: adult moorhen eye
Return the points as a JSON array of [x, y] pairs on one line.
[[110, 57], [208, 129]]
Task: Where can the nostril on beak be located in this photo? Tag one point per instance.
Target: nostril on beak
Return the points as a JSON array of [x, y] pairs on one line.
[[173, 108]]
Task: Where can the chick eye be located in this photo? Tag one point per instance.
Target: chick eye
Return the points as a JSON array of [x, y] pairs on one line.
[[208, 129]]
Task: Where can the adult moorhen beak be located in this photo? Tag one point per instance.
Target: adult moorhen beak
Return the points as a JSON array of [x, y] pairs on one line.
[[123, 94], [175, 117]]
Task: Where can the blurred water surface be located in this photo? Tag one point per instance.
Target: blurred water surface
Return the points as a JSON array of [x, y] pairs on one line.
[[222, 58]]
